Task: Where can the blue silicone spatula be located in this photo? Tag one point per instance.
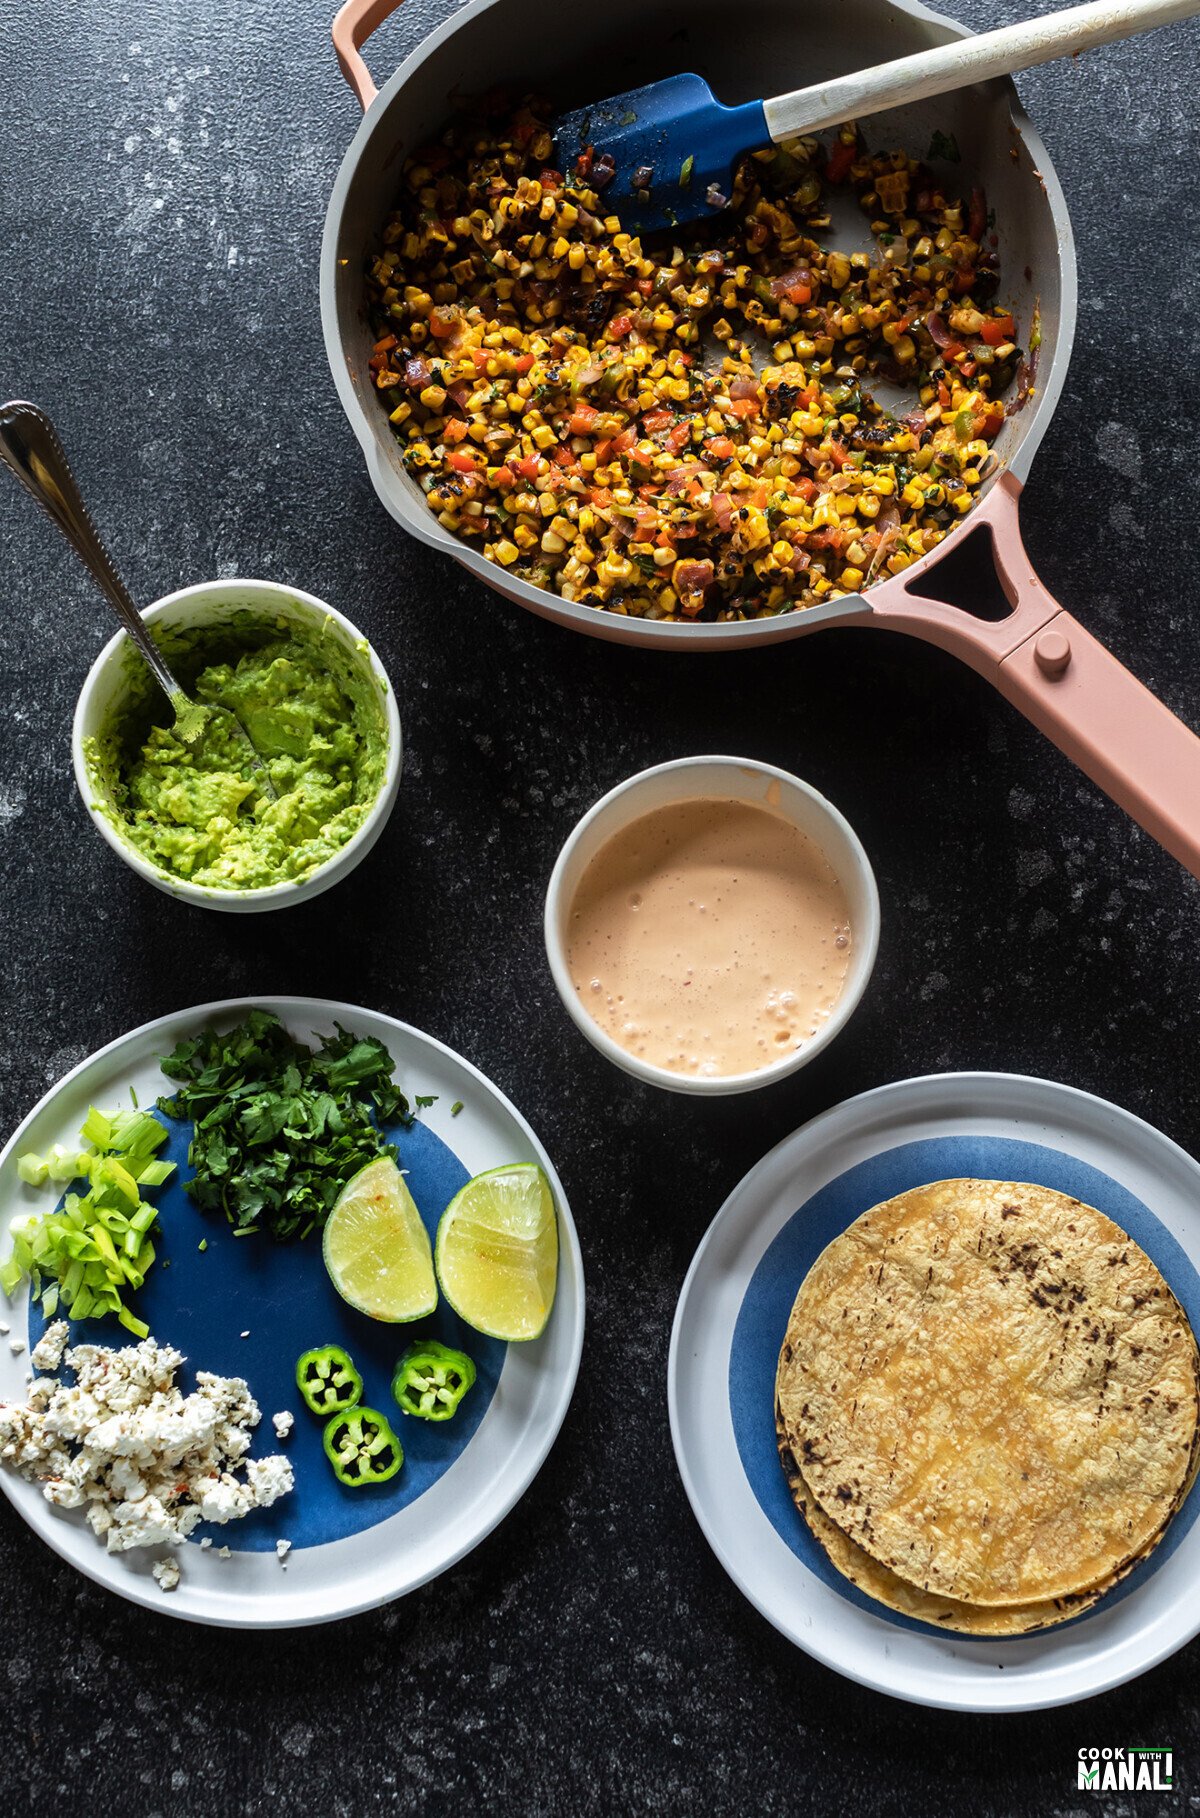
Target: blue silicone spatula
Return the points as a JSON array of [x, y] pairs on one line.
[[673, 145]]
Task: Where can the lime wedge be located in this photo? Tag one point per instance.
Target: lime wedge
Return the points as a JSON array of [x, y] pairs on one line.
[[377, 1249], [497, 1252]]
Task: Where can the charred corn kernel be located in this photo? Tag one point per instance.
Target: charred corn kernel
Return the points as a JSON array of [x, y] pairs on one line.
[[524, 537], [433, 397], [552, 544], [851, 578], [504, 552]]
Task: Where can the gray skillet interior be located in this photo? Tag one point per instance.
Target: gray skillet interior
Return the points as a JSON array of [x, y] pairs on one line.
[[761, 47]]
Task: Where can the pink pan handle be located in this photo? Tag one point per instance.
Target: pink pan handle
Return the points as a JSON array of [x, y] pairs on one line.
[[1072, 688], [351, 28]]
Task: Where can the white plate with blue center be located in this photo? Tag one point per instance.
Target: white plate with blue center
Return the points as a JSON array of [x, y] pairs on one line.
[[249, 1307], [730, 1322]]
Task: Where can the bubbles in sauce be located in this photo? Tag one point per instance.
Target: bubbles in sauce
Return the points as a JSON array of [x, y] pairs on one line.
[[709, 937]]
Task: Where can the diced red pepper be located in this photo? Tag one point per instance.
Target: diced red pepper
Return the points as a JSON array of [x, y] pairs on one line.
[[583, 420], [461, 461], [678, 436], [998, 329], [619, 327], [504, 477], [523, 362], [654, 420], [744, 407], [624, 442], [527, 467], [720, 448], [841, 157]]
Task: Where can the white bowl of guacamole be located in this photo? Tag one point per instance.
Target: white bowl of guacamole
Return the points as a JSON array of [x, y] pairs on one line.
[[195, 820]]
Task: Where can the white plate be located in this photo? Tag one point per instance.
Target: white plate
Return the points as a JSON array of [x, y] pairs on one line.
[[730, 1321], [472, 1495]]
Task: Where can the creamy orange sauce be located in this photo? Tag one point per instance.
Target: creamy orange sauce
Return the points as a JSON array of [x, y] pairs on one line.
[[709, 937]]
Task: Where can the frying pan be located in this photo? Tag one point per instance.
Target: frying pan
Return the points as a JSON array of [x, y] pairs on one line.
[[1038, 656]]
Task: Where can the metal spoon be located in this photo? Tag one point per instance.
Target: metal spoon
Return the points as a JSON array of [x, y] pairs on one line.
[[30, 446]]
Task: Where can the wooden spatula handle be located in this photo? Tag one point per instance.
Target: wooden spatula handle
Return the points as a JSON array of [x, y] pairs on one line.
[[967, 60]]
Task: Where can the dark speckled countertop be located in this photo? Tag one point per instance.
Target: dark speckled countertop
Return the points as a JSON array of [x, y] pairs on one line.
[[163, 175]]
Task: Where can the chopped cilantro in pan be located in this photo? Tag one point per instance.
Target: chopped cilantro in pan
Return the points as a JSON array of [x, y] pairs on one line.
[[278, 1127]]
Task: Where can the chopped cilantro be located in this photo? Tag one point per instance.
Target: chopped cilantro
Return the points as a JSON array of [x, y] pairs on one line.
[[456, 1107], [279, 1129]]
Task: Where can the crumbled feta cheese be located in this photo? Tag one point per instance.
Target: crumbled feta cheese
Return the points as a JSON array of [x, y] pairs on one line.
[[282, 1549], [167, 1573], [206, 1542], [4, 1330], [283, 1423], [224, 1553], [145, 1461], [16, 1346], [243, 1334], [47, 1353]]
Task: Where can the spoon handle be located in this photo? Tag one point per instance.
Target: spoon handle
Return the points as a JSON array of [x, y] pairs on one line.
[[29, 444], [965, 60]]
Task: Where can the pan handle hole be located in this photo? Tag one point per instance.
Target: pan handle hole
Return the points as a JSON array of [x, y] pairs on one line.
[[966, 577]]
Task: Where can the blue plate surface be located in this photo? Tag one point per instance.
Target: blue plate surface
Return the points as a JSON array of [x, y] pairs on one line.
[[279, 1295]]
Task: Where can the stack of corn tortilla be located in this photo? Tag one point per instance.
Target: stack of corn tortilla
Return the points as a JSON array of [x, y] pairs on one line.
[[987, 1405]]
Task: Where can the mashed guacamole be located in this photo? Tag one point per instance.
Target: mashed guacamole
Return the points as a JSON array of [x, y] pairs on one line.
[[198, 812]]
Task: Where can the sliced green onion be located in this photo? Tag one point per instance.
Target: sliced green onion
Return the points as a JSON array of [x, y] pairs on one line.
[[32, 1169]]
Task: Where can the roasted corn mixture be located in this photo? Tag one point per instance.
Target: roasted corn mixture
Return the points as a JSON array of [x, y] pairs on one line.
[[685, 431]]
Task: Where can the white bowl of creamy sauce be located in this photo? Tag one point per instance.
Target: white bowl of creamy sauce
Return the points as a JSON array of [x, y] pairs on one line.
[[711, 924]]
